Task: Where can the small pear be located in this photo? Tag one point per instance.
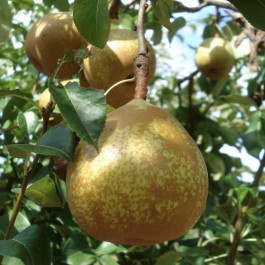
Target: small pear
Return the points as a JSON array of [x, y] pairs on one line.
[[215, 58]]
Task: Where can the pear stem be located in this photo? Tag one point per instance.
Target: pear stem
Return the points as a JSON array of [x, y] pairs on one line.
[[141, 64], [118, 83]]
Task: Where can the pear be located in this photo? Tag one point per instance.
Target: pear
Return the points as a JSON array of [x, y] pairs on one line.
[[48, 40], [215, 58], [114, 63], [146, 184]]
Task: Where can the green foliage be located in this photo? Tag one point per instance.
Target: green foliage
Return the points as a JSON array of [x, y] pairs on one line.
[[253, 11], [88, 109], [26, 246], [92, 20], [5, 20], [222, 115]]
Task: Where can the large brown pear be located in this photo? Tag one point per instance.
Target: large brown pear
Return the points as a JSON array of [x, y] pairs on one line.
[[147, 183], [215, 58], [115, 62], [48, 40]]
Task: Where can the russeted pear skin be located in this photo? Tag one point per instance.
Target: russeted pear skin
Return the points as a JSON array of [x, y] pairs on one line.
[[147, 184], [215, 58], [114, 63], [48, 40]]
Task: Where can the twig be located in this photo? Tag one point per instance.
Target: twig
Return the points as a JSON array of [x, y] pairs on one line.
[[114, 9], [126, 8], [141, 64], [242, 215], [218, 3], [191, 114]]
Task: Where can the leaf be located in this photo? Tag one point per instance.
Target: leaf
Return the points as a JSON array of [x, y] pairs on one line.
[[163, 10], [57, 141], [31, 245], [107, 260], [21, 223], [241, 100], [92, 20], [17, 93], [80, 257], [108, 248], [43, 193], [5, 20], [253, 11], [27, 121], [83, 109], [169, 258]]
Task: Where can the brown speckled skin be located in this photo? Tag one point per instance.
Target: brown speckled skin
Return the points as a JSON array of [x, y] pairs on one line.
[[148, 183], [48, 40], [115, 62]]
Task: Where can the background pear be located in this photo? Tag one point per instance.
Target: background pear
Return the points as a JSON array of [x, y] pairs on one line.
[[48, 40], [115, 62], [215, 58]]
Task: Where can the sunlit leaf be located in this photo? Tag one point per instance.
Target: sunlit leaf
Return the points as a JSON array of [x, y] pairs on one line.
[[83, 109], [92, 20], [43, 193]]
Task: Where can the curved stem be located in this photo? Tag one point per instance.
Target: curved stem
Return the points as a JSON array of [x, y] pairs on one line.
[[118, 83]]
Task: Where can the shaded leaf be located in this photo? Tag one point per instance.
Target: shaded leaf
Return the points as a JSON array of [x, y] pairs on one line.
[[92, 20], [57, 141], [43, 193], [17, 93], [163, 10], [26, 246], [169, 258], [83, 109], [242, 100], [253, 11], [5, 20]]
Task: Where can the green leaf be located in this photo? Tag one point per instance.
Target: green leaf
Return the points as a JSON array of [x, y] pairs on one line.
[[31, 245], [62, 5], [108, 248], [92, 20], [80, 257], [216, 164], [57, 141], [28, 121], [163, 10], [17, 93], [43, 193], [83, 109], [253, 11], [241, 100], [107, 260], [21, 223], [169, 258], [5, 20]]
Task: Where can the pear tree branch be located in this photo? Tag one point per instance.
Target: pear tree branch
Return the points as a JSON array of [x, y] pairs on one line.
[[218, 3], [141, 64]]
